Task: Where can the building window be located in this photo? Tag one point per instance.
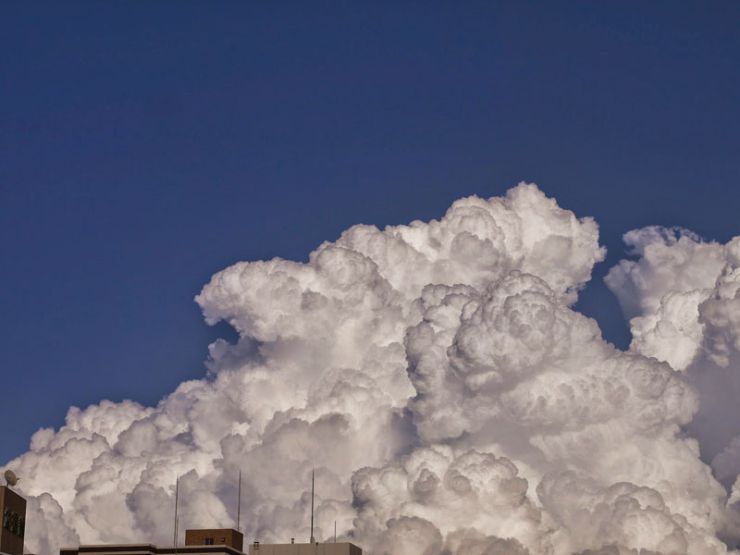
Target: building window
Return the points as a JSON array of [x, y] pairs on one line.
[[209, 541]]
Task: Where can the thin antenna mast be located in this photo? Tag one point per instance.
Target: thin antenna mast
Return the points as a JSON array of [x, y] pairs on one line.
[[335, 531], [239, 502], [177, 498], [313, 540]]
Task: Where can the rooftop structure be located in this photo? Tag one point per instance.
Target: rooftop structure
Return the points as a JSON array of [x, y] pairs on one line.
[[341, 548], [222, 541], [149, 549], [215, 536]]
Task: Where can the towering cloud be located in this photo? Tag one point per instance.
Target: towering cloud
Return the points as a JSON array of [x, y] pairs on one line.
[[683, 297], [448, 395]]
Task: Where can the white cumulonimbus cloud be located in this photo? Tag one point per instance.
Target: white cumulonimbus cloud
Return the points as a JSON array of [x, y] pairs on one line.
[[449, 397]]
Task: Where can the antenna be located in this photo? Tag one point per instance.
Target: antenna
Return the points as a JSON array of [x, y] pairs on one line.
[[335, 531], [239, 502], [313, 540], [177, 497], [10, 478]]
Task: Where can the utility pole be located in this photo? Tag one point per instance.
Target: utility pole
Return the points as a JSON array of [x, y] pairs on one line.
[[313, 540], [239, 503], [177, 498]]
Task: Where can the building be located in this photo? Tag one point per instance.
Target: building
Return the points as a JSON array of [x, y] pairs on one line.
[[222, 541], [340, 548], [197, 542], [222, 536], [13, 509]]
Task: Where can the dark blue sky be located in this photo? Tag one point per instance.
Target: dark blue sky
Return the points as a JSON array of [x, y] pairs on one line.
[[146, 145]]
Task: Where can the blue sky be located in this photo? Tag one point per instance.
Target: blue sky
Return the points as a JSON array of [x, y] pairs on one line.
[[145, 146]]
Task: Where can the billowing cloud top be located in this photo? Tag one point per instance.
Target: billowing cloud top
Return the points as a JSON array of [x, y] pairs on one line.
[[450, 399]]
